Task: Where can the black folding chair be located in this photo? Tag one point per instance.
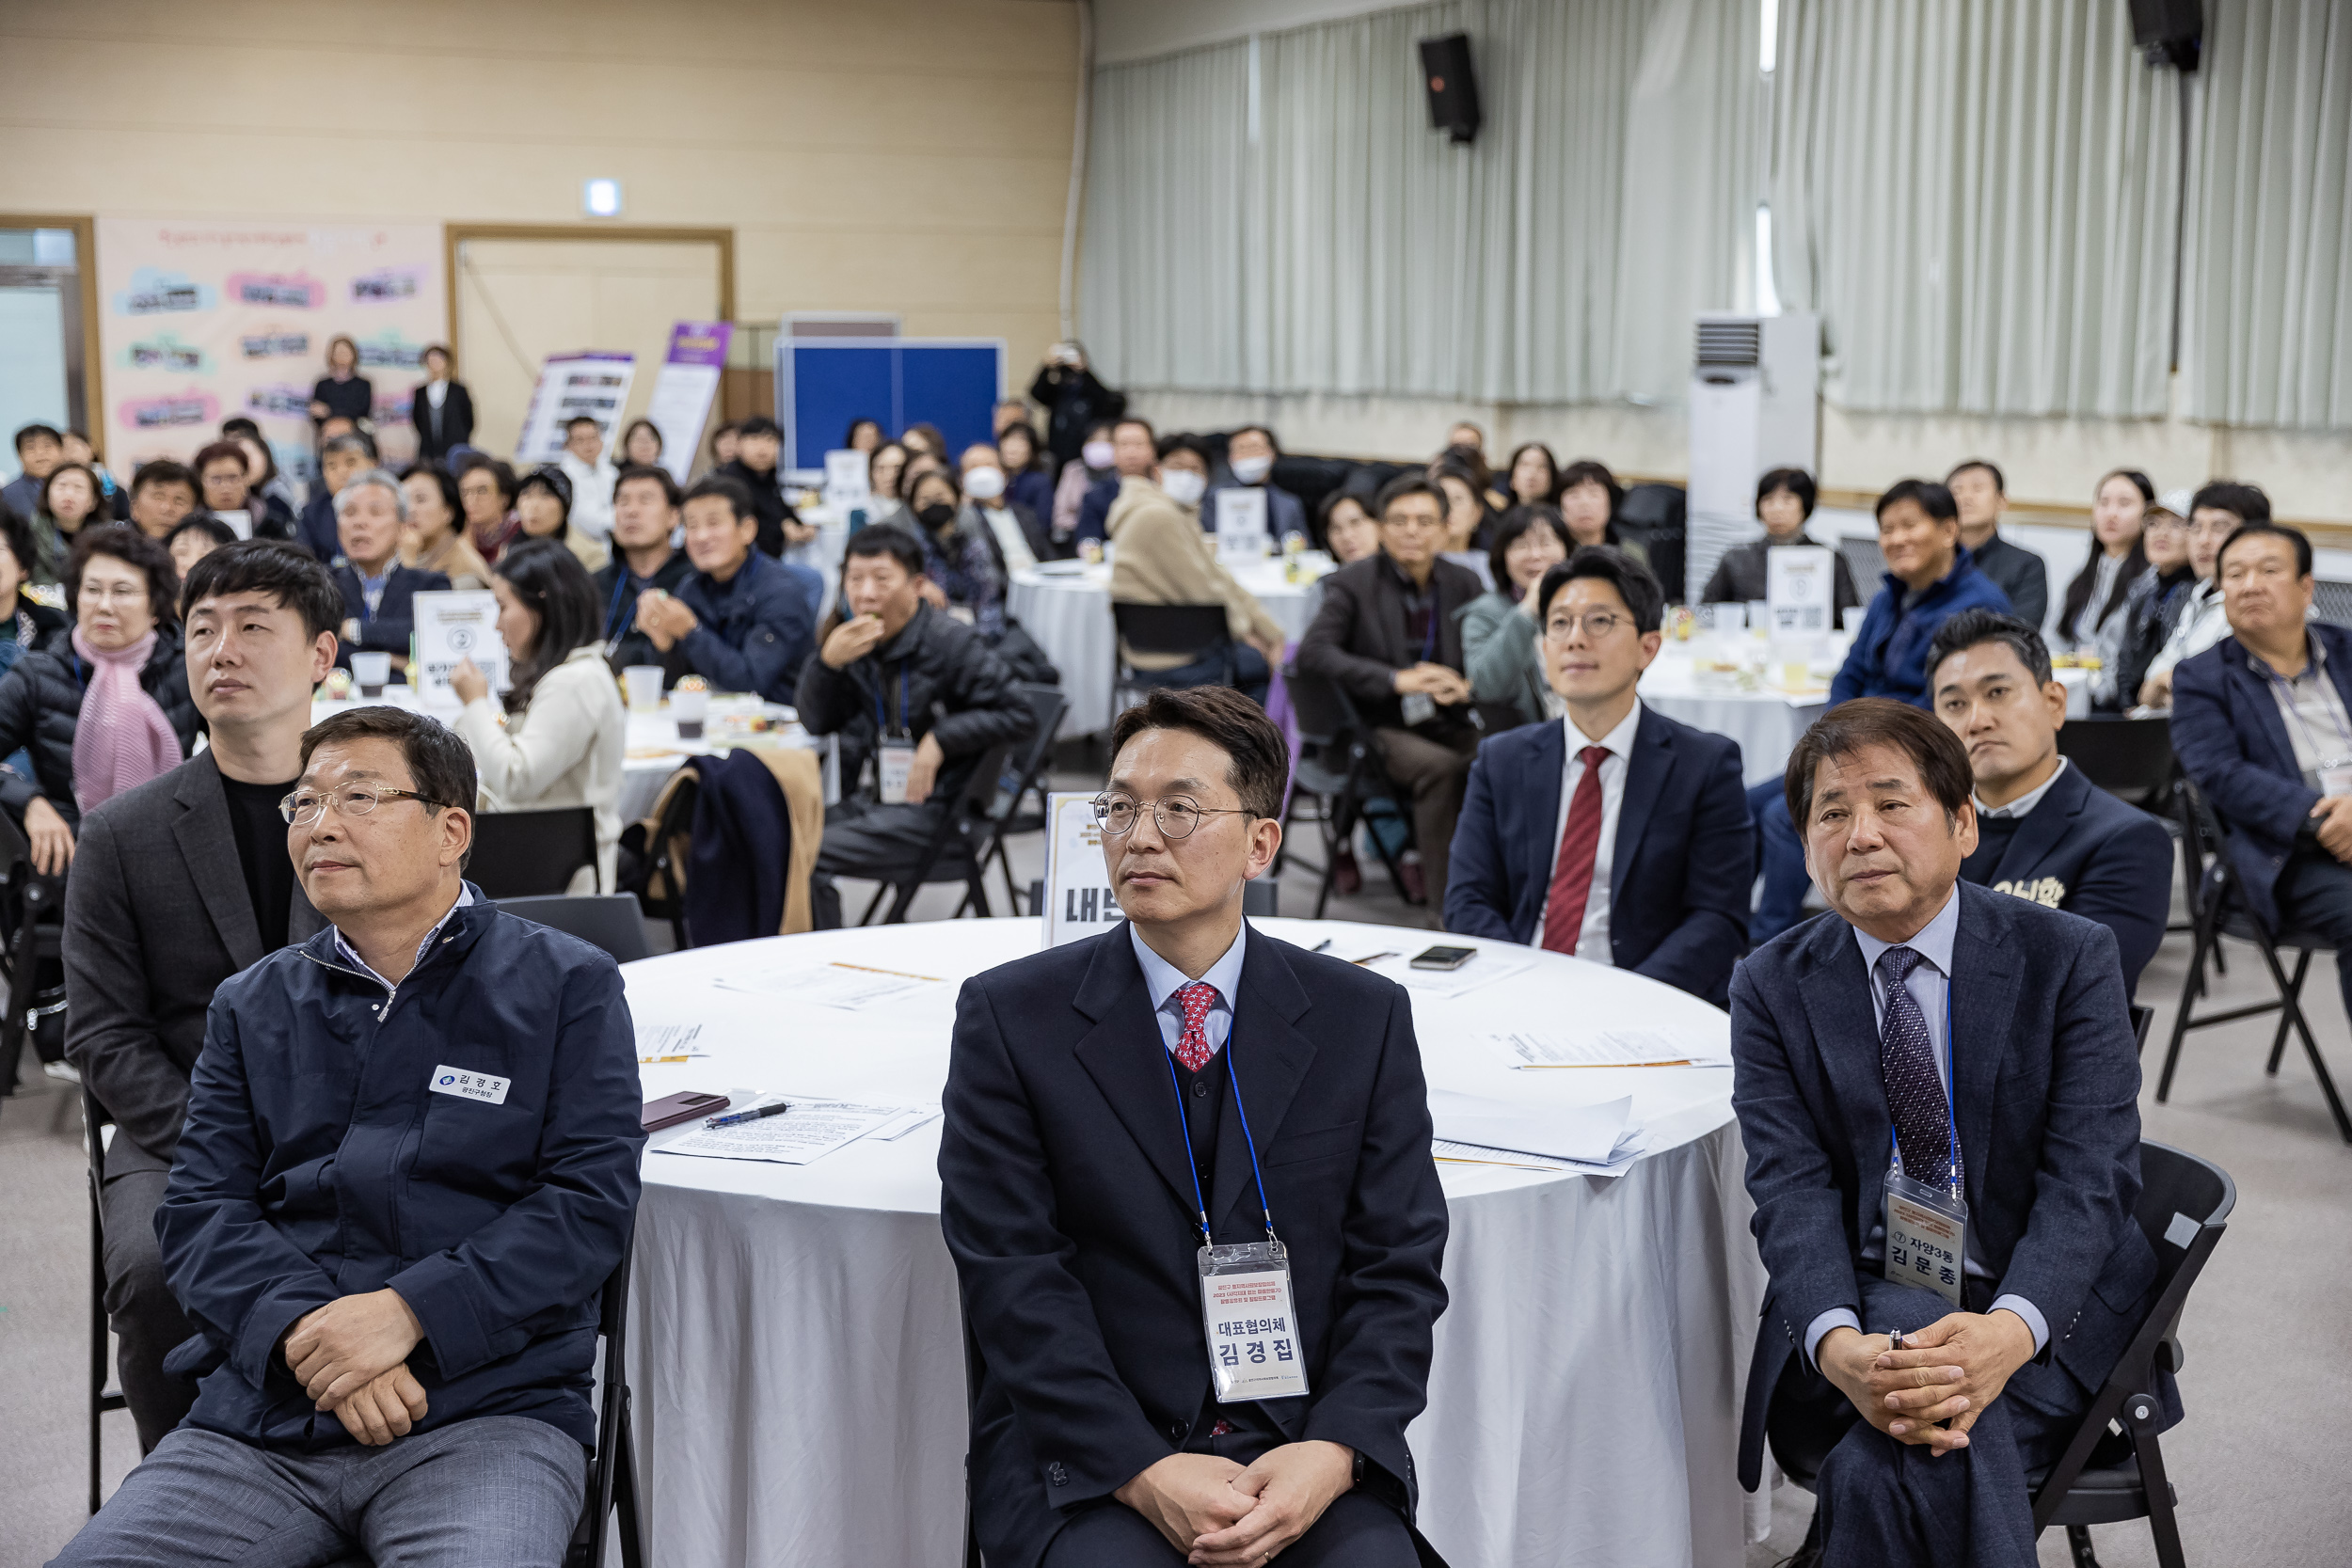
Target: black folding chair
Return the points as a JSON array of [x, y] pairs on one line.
[[959, 850], [1024, 775], [2223, 909], [612, 1469], [517, 854], [1866, 561], [610, 921], [1185, 632], [105, 1395], [32, 927], [2131, 760], [1338, 764]]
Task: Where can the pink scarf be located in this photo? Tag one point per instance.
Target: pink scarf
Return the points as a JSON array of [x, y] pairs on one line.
[[123, 738]]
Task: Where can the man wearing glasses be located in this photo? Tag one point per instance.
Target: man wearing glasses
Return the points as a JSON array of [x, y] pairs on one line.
[[1186, 1179], [1616, 834], [409, 1166]]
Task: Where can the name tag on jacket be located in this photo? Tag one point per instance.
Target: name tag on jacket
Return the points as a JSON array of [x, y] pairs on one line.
[[470, 1086]]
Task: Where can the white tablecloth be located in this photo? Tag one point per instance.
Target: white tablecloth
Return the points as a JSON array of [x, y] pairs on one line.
[[1067, 608], [796, 1360]]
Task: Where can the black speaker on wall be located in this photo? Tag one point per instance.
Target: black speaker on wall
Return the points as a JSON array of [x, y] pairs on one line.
[[1445, 69], [2170, 32]]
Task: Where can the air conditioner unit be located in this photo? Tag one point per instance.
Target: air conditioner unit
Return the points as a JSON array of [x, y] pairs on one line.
[[1754, 406]]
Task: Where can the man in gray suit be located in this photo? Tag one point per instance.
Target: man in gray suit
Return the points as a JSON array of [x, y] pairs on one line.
[[177, 885]]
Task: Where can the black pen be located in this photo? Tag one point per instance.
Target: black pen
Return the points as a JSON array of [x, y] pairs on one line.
[[735, 1119]]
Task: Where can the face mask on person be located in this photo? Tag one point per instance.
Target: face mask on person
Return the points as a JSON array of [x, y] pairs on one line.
[[1183, 486], [984, 484], [1252, 470], [936, 515], [1096, 454]]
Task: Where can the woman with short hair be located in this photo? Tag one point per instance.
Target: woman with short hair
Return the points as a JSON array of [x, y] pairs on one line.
[[1502, 645], [1588, 500], [72, 500], [543, 505], [434, 537], [641, 446]]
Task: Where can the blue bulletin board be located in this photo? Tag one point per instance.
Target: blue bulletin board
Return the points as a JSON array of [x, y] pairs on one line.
[[824, 383]]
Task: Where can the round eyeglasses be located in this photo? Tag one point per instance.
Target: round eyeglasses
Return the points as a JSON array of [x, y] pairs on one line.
[[306, 806], [1598, 624], [1178, 816]]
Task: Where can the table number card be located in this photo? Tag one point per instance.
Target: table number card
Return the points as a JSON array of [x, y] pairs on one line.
[[1078, 897], [1800, 588]]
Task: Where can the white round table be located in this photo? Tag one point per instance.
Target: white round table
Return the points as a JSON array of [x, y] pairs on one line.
[[796, 1360], [1066, 605]]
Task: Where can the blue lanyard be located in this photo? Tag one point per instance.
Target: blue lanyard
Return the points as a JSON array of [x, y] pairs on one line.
[[1951, 1116], [1200, 1203], [613, 611], [881, 720]]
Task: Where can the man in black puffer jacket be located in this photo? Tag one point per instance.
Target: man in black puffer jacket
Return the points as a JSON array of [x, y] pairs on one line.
[[914, 694]]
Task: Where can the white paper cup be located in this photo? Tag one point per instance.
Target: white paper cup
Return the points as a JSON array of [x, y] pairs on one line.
[[370, 671], [688, 709], [643, 682]]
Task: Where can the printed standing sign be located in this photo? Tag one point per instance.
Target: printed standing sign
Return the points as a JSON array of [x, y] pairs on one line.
[[593, 383], [685, 387], [848, 481], [1241, 524], [1800, 590], [454, 625], [1078, 898]]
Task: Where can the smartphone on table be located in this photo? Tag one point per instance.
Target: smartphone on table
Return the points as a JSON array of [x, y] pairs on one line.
[[1444, 957]]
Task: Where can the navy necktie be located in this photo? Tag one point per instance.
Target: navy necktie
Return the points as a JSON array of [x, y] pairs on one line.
[[1914, 1095]]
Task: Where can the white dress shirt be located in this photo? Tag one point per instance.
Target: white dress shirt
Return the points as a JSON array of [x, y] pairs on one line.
[[1592, 939], [2018, 807], [1010, 539], [344, 947], [1930, 984], [1163, 979], [592, 495]]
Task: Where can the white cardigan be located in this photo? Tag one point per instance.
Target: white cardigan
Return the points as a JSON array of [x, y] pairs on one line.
[[564, 750]]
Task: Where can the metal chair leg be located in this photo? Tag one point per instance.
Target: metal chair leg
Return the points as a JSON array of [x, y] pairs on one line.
[[2286, 1015], [2078, 1546], [880, 893], [2181, 1017], [2291, 1005], [2140, 1418]]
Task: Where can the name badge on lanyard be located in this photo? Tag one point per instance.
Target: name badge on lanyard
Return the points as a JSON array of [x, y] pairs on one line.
[[1245, 1307], [1926, 1226], [2335, 776], [894, 759]]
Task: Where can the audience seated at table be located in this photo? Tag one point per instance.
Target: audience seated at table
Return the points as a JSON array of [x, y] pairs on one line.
[[1532, 476], [743, 621], [723, 440], [1502, 639], [543, 505], [1929, 578], [2217, 512], [1468, 524], [1099, 1434], [556, 738], [645, 502], [1028, 482], [178, 884], [1589, 497], [1389, 633], [39, 448], [1097, 461], [640, 447], [439, 1299], [163, 493], [1784, 503], [441, 407], [378, 614], [25, 623], [197, 535], [70, 500], [1981, 494], [886, 466], [1074, 402], [1165, 558], [1989, 1041], [2091, 615], [2044, 831], [342, 460], [265, 478], [584, 463], [1135, 452], [434, 537], [1016, 536], [1618, 835], [1346, 530], [863, 434], [2262, 722], [1250, 454], [487, 488], [909, 689], [758, 446], [120, 670], [959, 566], [923, 438], [2130, 640], [224, 474]]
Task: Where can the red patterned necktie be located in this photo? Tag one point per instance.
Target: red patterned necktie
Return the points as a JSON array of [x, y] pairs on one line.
[[1192, 1047], [1572, 872]]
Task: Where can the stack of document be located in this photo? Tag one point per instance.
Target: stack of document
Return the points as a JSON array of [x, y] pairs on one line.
[[831, 984], [1544, 1049], [1597, 1140], [807, 1132]]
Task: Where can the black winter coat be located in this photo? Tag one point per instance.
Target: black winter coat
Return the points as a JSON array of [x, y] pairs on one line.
[[953, 687], [40, 701]]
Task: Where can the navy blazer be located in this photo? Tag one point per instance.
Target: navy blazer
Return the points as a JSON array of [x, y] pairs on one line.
[[1889, 656], [2227, 734], [2048, 1106], [1679, 875], [2084, 851], [1067, 1201], [389, 630]]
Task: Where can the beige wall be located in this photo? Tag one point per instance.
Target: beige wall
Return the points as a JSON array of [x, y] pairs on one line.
[[903, 156]]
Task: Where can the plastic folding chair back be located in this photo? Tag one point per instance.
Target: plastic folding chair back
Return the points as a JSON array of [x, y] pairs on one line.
[[517, 854], [2129, 759], [104, 1395], [610, 921]]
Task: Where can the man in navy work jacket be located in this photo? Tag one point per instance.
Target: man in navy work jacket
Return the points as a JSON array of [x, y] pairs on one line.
[[1111, 1100], [2044, 831], [1861, 1042], [1616, 835], [2260, 722], [409, 1166], [1929, 578], [744, 621]]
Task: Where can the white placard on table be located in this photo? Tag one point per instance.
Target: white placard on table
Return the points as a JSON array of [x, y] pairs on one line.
[[848, 481], [1801, 590], [1241, 524], [1078, 898], [452, 625]]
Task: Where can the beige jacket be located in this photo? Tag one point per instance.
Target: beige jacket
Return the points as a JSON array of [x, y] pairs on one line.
[[566, 749], [1165, 558]]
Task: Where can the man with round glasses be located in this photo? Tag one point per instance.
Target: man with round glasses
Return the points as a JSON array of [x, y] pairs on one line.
[[1147, 1126], [408, 1167], [1616, 835]]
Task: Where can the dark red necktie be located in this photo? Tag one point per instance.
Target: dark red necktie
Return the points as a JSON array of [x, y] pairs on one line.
[[1572, 872]]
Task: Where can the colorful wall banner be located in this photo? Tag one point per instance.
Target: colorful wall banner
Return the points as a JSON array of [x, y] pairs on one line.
[[685, 389], [201, 320]]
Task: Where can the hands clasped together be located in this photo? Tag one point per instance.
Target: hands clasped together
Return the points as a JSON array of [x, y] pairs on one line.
[[1947, 1371], [1220, 1515], [352, 1356]]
